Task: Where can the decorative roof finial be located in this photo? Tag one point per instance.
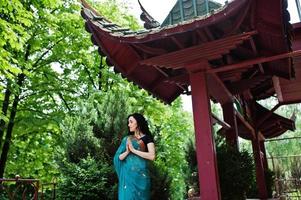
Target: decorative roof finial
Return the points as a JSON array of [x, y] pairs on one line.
[[149, 21]]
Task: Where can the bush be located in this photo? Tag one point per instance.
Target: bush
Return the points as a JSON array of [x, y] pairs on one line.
[[160, 183], [88, 179], [236, 171]]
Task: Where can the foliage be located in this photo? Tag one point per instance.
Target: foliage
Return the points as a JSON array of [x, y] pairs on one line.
[[192, 171], [95, 131], [270, 180], [47, 43], [88, 137], [296, 168], [175, 131], [118, 14], [236, 170], [13, 23], [160, 183], [16, 190], [279, 152], [53, 81], [88, 179]]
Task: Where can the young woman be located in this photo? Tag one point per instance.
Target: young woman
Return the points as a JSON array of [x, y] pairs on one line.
[[131, 160]]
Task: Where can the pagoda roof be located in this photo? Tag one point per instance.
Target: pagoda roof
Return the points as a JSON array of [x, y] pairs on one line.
[[272, 126], [185, 10], [242, 50], [289, 91]]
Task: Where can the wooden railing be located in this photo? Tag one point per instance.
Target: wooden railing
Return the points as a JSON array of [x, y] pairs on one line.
[[33, 189]]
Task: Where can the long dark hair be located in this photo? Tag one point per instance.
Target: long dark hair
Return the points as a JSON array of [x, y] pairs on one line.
[[142, 124]]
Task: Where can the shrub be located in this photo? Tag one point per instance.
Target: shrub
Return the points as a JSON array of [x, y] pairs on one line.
[[88, 179], [236, 171], [160, 183]]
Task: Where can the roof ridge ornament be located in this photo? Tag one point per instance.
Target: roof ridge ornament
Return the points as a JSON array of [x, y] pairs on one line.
[[149, 21]]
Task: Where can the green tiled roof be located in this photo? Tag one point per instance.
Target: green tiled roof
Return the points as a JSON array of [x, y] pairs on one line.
[[185, 10]]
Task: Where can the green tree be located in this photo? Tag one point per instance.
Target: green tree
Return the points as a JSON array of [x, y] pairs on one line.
[[46, 69], [50, 65], [91, 136]]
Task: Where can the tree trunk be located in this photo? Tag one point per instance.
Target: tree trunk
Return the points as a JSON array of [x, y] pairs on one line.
[[4, 111], [10, 127]]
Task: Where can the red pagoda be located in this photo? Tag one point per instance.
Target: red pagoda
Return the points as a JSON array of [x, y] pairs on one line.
[[233, 54]]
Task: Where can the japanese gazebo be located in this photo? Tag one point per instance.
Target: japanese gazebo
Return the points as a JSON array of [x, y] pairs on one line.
[[234, 55]]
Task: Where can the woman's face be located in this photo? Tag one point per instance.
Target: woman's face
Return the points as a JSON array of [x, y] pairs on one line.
[[132, 124]]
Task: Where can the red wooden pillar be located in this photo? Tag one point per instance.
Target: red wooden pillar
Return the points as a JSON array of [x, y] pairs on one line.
[[205, 147], [260, 177], [229, 117], [264, 154]]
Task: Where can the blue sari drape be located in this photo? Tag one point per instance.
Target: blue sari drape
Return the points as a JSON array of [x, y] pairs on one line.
[[133, 174]]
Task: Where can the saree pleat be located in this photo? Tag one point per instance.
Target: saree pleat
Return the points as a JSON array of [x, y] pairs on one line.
[[133, 175]]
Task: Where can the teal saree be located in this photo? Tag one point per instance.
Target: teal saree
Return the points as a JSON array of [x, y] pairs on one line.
[[132, 172]]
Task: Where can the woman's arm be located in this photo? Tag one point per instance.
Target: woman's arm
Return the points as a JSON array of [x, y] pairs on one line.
[[124, 154], [150, 155]]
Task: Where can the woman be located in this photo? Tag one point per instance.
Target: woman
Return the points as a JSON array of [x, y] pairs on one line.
[[131, 160]]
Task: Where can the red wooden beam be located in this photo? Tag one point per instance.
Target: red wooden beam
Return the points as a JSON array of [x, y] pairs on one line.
[[266, 116], [250, 63], [180, 79], [218, 90], [149, 50], [167, 76], [277, 87], [245, 123], [238, 87], [207, 51], [176, 41], [253, 45], [217, 120], [203, 37], [229, 117]]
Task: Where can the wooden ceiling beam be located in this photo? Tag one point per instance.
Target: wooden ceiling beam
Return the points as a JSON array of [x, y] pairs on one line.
[[181, 79], [250, 63], [149, 50], [277, 87], [218, 90], [245, 123], [244, 52], [176, 41], [215, 119], [202, 35], [275, 132], [199, 51], [270, 126], [268, 115], [156, 83], [167, 76], [238, 87], [253, 45], [209, 33]]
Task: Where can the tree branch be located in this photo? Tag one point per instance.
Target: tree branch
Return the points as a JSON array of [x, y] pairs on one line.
[[89, 75], [47, 51]]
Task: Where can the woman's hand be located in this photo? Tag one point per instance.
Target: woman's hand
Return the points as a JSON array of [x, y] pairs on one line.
[[130, 146], [126, 153], [127, 150]]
